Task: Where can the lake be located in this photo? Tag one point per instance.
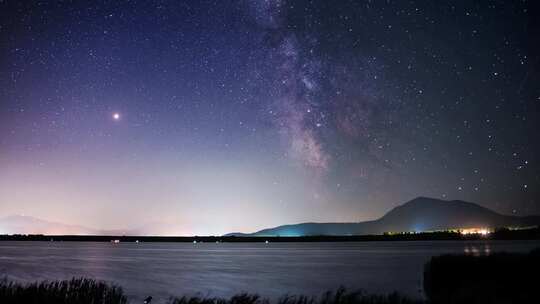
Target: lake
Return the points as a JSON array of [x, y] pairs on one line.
[[167, 269]]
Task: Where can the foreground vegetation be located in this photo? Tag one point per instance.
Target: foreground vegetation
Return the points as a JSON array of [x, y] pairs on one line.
[[448, 279], [87, 291], [83, 291], [341, 296]]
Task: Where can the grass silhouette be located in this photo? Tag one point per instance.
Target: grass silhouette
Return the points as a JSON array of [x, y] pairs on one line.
[[88, 291], [83, 291], [341, 296]]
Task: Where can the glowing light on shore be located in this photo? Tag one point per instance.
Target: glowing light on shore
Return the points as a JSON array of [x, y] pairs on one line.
[[481, 231]]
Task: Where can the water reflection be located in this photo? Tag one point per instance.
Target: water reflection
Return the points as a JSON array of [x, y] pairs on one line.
[[224, 269], [477, 250]]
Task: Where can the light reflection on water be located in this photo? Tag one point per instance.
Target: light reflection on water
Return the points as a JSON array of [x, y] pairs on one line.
[[168, 269], [477, 250]]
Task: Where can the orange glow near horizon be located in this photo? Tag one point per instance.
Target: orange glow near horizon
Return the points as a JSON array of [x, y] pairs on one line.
[[481, 231]]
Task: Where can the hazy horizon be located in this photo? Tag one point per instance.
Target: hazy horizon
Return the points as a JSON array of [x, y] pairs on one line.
[[26, 224]]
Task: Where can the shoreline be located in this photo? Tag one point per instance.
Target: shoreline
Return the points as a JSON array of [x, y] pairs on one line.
[[502, 234]]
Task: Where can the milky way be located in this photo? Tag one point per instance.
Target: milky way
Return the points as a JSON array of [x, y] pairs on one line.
[[213, 116], [311, 94]]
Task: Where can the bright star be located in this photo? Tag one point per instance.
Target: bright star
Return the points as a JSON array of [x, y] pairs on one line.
[[116, 116]]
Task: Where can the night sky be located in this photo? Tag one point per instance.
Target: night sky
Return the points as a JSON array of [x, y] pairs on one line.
[[207, 117]]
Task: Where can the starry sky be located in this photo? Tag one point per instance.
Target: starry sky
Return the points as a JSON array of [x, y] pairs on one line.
[[207, 117]]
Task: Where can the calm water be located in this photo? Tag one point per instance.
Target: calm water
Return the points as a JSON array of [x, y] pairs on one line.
[[166, 269]]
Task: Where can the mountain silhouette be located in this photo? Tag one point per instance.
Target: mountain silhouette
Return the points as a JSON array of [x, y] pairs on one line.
[[419, 214], [22, 224]]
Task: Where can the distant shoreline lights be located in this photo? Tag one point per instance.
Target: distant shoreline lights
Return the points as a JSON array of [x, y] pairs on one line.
[[481, 231]]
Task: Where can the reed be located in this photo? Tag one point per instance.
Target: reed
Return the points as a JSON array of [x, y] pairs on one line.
[[76, 290]]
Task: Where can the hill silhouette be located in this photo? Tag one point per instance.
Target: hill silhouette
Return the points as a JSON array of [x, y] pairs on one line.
[[23, 224], [419, 214]]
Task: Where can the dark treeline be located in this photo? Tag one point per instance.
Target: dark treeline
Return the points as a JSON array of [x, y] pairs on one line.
[[501, 234]]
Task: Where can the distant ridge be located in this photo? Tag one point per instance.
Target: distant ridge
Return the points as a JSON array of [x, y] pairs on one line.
[[419, 214], [22, 224]]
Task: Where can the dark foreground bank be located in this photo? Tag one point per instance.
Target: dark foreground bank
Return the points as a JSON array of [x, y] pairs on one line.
[[498, 278]]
